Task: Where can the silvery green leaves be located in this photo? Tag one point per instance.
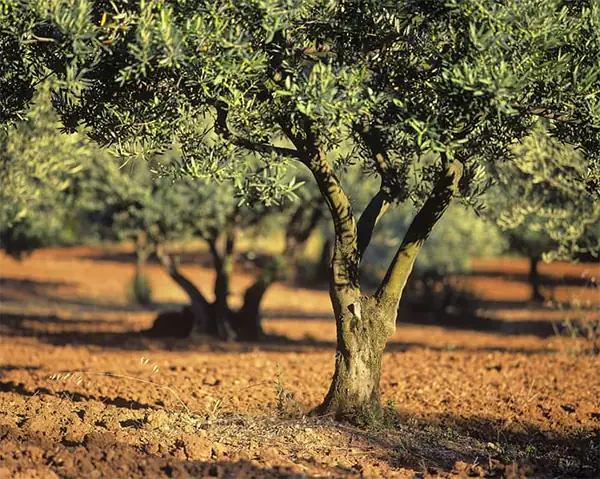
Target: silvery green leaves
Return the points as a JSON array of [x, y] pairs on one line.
[[18, 70], [41, 173], [540, 197], [245, 88]]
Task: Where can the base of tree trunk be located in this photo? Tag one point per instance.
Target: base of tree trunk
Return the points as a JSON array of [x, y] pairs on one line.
[[172, 324], [538, 297], [247, 323], [180, 324], [354, 394]]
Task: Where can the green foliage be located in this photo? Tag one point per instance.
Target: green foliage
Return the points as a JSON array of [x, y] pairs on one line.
[[540, 200], [231, 81], [129, 199], [16, 74], [140, 289], [40, 188]]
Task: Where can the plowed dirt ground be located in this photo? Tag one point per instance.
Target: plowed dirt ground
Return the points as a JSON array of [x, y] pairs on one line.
[[82, 395]]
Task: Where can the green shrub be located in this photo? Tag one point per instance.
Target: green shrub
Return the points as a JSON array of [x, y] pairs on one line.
[[140, 290]]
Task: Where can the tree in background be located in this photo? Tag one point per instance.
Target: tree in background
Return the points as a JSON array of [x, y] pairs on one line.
[[155, 211], [38, 173], [542, 205], [433, 95]]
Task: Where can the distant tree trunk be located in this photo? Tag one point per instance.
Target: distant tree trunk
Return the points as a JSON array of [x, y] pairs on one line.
[[143, 250], [302, 223], [200, 307], [220, 319], [534, 279], [299, 228], [248, 321]]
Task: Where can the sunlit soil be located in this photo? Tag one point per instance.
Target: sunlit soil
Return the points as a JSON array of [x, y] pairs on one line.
[[514, 398]]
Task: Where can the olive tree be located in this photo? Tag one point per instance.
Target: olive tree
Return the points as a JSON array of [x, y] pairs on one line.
[[433, 95], [154, 211], [39, 168], [543, 208]]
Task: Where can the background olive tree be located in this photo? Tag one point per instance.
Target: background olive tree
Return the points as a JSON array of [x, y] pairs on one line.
[[154, 212], [39, 172]]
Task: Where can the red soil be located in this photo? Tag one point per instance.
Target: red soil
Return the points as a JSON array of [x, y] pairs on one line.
[[513, 400]]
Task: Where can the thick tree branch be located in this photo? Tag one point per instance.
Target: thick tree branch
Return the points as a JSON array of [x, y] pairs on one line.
[[170, 266], [374, 144], [345, 252], [222, 128], [216, 256], [199, 305], [397, 275], [380, 203], [376, 208]]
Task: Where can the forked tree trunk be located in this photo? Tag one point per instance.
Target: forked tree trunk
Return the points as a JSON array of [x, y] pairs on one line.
[[534, 279], [364, 324]]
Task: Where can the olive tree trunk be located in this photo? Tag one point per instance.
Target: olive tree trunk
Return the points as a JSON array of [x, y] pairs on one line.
[[220, 320], [248, 320], [365, 323], [199, 306], [534, 279], [363, 330]]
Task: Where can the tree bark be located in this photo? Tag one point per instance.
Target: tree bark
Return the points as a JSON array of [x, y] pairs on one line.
[[534, 279], [199, 305], [220, 319], [354, 389], [364, 325], [363, 329]]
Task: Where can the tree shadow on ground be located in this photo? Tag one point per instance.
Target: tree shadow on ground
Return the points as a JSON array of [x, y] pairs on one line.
[[59, 332], [101, 455], [547, 280], [10, 367], [542, 328], [19, 388], [17, 290], [483, 447], [33, 288]]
